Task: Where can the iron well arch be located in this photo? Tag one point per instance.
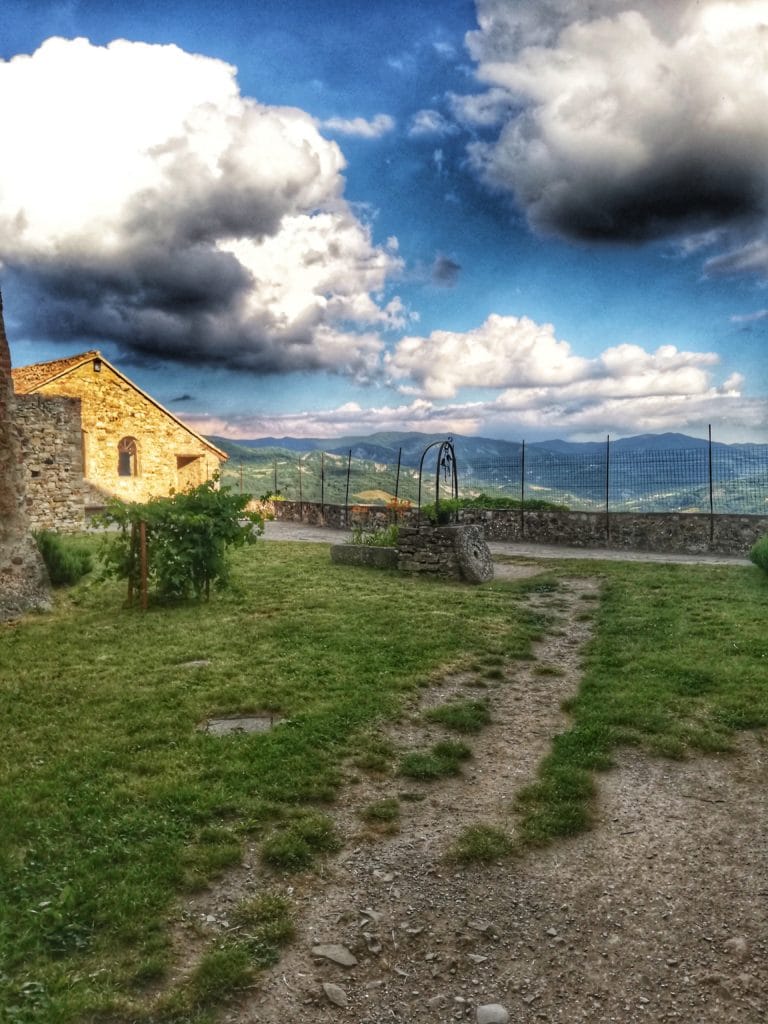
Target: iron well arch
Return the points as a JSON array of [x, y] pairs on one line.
[[446, 461]]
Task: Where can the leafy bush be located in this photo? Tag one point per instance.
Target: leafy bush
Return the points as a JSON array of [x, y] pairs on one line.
[[188, 537], [384, 538], [398, 506], [759, 553], [65, 559]]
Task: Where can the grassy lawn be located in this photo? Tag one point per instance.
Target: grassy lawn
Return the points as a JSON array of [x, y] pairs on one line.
[[678, 663], [113, 803]]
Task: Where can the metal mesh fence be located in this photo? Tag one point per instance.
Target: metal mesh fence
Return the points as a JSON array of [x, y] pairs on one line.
[[702, 479]]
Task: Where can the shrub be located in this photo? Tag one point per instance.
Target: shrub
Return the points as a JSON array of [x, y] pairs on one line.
[[66, 560], [398, 506], [759, 553], [384, 538], [188, 537]]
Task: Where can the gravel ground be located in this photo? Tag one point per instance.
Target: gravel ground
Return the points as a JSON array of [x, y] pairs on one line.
[[660, 913]]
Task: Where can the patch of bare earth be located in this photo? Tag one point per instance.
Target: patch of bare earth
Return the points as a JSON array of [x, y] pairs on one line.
[[660, 913]]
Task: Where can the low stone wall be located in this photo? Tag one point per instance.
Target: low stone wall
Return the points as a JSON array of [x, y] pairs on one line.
[[338, 517], [429, 550], [456, 552], [673, 532], [364, 554]]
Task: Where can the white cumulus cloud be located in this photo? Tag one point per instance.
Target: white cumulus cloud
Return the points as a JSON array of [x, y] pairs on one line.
[[430, 122], [379, 125], [146, 201], [626, 121], [501, 352]]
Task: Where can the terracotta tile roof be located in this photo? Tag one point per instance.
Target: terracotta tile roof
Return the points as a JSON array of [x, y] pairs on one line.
[[29, 378]]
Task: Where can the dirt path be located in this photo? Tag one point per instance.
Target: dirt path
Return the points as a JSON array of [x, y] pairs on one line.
[[659, 914]]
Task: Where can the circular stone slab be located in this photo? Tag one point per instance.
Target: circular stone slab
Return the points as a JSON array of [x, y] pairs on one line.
[[473, 554]]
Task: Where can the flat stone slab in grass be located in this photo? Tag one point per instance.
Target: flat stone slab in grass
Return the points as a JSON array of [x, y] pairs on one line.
[[238, 724]]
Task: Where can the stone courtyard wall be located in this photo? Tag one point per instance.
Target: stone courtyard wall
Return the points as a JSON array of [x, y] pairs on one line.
[[676, 533], [52, 460]]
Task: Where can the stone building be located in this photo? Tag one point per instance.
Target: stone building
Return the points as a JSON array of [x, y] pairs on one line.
[[23, 580], [88, 433]]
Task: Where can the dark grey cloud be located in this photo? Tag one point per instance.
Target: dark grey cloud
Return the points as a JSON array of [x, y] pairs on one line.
[[632, 121], [445, 271]]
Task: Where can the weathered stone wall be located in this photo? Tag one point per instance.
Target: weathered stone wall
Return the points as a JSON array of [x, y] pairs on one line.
[[23, 579], [428, 550], [675, 532], [52, 457], [456, 552], [169, 457], [681, 533], [339, 517], [364, 554]]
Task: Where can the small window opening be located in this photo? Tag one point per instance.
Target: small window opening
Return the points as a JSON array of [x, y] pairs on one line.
[[127, 457]]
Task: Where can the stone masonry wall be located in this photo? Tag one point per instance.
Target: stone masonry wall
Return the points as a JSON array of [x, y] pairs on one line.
[[428, 550], [52, 457], [675, 532], [169, 457], [681, 533], [23, 578]]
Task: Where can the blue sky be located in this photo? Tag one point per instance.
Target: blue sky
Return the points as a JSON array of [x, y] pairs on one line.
[[520, 219]]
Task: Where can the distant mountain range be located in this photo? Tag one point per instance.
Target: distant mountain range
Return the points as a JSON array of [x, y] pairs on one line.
[[648, 472], [384, 446]]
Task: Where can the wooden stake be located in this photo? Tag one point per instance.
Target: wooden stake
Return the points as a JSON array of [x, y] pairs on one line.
[[143, 563]]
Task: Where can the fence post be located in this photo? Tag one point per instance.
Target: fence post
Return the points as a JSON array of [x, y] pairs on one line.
[[522, 490], [607, 487], [301, 496], [711, 494], [274, 470], [397, 475], [322, 486], [346, 493]]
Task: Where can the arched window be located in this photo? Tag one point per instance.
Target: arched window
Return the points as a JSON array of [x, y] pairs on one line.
[[127, 457]]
